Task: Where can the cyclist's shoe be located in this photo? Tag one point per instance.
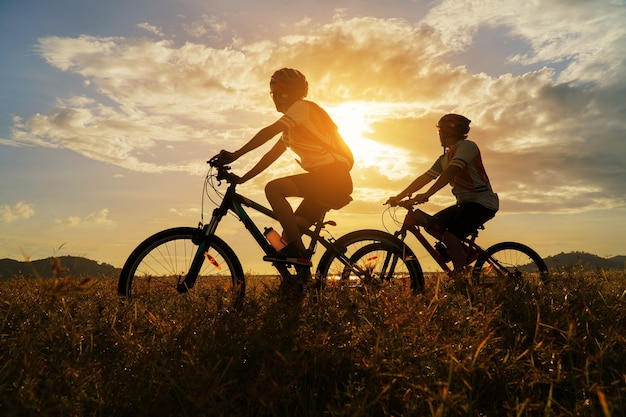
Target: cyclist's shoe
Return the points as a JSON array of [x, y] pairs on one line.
[[289, 255]]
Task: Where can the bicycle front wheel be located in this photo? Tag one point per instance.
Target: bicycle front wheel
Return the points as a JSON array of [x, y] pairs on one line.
[[370, 256], [158, 266], [512, 261]]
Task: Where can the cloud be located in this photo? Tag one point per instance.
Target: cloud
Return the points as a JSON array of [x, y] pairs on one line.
[[207, 26], [549, 131], [151, 28], [19, 211], [96, 218], [587, 36]]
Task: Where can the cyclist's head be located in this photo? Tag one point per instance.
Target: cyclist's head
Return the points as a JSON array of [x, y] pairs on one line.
[[289, 83], [454, 125]]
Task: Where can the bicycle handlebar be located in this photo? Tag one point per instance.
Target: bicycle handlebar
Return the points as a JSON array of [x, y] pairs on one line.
[[407, 204], [223, 171], [420, 217]]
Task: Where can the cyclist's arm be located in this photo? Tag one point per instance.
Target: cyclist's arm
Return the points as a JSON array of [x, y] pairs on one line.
[[257, 140], [418, 183], [261, 137], [267, 160], [446, 176]]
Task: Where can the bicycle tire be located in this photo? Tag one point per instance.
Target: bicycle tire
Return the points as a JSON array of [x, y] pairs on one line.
[[376, 255], [160, 263], [521, 262]]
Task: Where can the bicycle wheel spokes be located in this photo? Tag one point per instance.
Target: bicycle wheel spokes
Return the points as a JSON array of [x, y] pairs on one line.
[[371, 257], [161, 263], [166, 263], [361, 267], [512, 261], [376, 263], [166, 266]]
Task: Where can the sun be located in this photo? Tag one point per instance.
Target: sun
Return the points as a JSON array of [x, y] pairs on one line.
[[353, 122]]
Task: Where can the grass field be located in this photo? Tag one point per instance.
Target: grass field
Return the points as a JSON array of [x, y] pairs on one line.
[[69, 347]]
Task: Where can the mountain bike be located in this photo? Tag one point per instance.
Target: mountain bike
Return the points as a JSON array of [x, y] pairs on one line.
[[511, 261], [183, 259]]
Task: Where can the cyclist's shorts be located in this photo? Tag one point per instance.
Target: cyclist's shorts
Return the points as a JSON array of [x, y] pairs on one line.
[[328, 187], [463, 219]]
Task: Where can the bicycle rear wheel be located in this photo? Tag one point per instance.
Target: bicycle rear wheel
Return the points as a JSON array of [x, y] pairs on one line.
[[370, 256], [515, 260], [157, 267]]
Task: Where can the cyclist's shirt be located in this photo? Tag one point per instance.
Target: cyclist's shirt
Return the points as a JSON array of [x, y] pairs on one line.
[[472, 183], [313, 136]]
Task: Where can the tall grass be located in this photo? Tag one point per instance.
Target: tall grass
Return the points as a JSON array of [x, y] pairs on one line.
[[68, 347]]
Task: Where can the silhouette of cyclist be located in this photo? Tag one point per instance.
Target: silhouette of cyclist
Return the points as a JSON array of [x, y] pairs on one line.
[[462, 167], [311, 134]]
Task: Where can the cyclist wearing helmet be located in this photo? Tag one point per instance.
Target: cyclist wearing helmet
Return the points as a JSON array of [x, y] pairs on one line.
[[311, 134], [462, 167]]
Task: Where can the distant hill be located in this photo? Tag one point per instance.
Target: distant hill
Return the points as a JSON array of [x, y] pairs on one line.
[[585, 260], [73, 266]]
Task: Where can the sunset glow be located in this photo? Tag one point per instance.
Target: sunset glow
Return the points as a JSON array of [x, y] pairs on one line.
[[106, 124], [352, 120]]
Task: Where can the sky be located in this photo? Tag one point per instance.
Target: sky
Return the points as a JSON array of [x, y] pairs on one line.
[[109, 111]]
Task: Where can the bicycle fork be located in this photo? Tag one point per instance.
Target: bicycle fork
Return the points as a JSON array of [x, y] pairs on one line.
[[390, 262], [204, 241]]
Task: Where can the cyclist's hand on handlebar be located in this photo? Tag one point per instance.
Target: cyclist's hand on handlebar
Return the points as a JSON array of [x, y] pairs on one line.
[[392, 201], [419, 199], [397, 202], [222, 158]]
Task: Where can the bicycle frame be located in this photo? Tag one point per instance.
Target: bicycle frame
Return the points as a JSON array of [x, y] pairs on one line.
[[235, 202], [473, 250]]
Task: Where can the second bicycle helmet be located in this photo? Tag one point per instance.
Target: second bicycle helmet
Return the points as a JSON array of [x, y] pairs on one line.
[[454, 124]]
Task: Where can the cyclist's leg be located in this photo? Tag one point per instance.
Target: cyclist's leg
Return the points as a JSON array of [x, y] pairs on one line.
[[455, 251], [458, 222], [444, 219], [277, 192], [327, 187], [330, 185], [310, 211]]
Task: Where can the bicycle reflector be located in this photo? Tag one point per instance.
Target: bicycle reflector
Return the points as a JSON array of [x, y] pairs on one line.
[[213, 261]]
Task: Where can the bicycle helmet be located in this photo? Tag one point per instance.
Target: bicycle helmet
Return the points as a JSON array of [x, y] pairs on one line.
[[454, 124], [290, 82]]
